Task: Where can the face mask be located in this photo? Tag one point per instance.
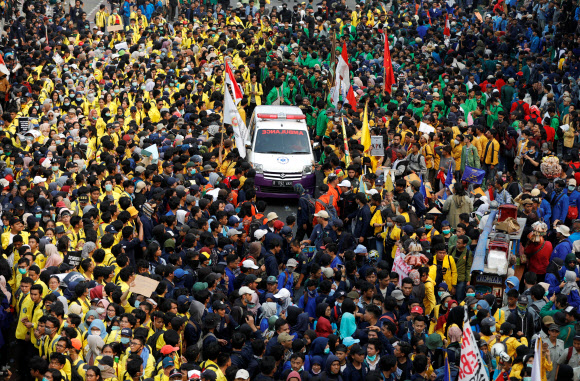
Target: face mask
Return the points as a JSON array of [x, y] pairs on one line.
[[546, 293], [372, 358], [157, 60], [571, 188], [45, 219], [58, 142], [527, 378], [446, 231], [440, 293], [134, 84], [311, 293], [48, 331], [117, 91], [326, 351], [96, 333], [125, 340], [143, 87], [66, 103], [251, 305], [65, 324], [137, 303], [492, 328], [428, 227], [470, 294], [115, 327], [390, 224], [100, 310], [22, 271], [400, 303], [456, 141], [108, 187]]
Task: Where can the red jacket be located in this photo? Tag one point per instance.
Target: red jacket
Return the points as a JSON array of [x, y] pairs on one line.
[[538, 260]]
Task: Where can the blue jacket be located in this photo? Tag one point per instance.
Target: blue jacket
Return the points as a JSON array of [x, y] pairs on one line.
[[309, 306], [562, 249], [554, 283], [271, 264], [127, 9], [573, 198], [560, 210], [361, 220], [419, 204], [546, 211], [289, 285], [574, 299]]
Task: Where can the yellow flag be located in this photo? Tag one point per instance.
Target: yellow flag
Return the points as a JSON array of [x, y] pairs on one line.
[[346, 152], [366, 133], [389, 182]]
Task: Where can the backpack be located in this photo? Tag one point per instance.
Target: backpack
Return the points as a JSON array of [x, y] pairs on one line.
[[520, 111], [569, 355], [311, 203], [536, 312], [329, 207], [257, 222], [74, 374], [199, 343]]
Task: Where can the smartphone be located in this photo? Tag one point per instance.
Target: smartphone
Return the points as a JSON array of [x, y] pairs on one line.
[[340, 267]]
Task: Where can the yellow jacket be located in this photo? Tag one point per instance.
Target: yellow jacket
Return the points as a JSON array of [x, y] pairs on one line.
[[479, 143], [491, 152], [101, 18], [429, 301], [511, 343], [450, 276], [259, 92]]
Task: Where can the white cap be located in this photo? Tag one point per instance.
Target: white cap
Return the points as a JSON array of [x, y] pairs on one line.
[[38, 179], [282, 294], [272, 216], [242, 373], [260, 233], [322, 214], [249, 264], [245, 290], [345, 183], [372, 191]]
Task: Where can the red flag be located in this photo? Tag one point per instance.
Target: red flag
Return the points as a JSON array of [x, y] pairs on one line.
[[351, 99], [389, 73], [429, 17], [447, 30], [231, 80]]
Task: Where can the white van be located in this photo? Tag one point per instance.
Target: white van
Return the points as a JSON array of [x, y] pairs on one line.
[[279, 149]]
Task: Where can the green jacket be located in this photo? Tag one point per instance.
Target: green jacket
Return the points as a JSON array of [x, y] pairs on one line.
[[567, 334], [463, 263], [321, 123], [469, 157]]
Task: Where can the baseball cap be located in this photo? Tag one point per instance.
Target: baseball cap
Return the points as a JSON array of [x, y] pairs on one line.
[[167, 349], [271, 279], [260, 233], [209, 374], [126, 332], [167, 362], [251, 278], [272, 216], [357, 350], [348, 341], [292, 263], [417, 310], [245, 290], [242, 373], [398, 294], [233, 232], [322, 214], [345, 183], [285, 336], [249, 264], [522, 299], [175, 373]]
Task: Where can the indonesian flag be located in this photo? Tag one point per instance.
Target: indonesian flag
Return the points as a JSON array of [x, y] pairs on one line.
[[231, 80], [447, 30], [388, 64], [342, 76], [3, 67]]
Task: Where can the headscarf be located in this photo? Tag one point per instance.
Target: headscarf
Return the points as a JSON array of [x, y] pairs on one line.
[[570, 283], [4, 289], [180, 216], [87, 248], [301, 325], [64, 302], [98, 323], [53, 258], [554, 266], [84, 327], [416, 277], [268, 309], [93, 348], [454, 333], [105, 304], [347, 325], [293, 374]]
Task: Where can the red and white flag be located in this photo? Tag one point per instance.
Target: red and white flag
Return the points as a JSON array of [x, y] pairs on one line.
[[341, 76], [3, 67], [231, 80], [351, 98], [447, 29]]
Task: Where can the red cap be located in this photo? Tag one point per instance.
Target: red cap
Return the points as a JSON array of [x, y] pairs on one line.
[[417, 310], [278, 225], [60, 204], [76, 343], [126, 137], [65, 189], [167, 349], [9, 178]]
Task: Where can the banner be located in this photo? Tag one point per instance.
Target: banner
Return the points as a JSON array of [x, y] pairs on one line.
[[537, 364], [377, 148], [471, 367], [472, 175]]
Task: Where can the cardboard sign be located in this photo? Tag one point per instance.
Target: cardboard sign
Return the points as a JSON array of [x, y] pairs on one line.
[[114, 28], [377, 148], [425, 128], [144, 286]]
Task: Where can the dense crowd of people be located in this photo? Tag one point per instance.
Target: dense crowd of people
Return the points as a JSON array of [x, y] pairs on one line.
[[134, 246]]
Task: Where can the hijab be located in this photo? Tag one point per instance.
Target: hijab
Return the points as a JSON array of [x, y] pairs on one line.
[[570, 283], [53, 258], [4, 289], [347, 325]]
